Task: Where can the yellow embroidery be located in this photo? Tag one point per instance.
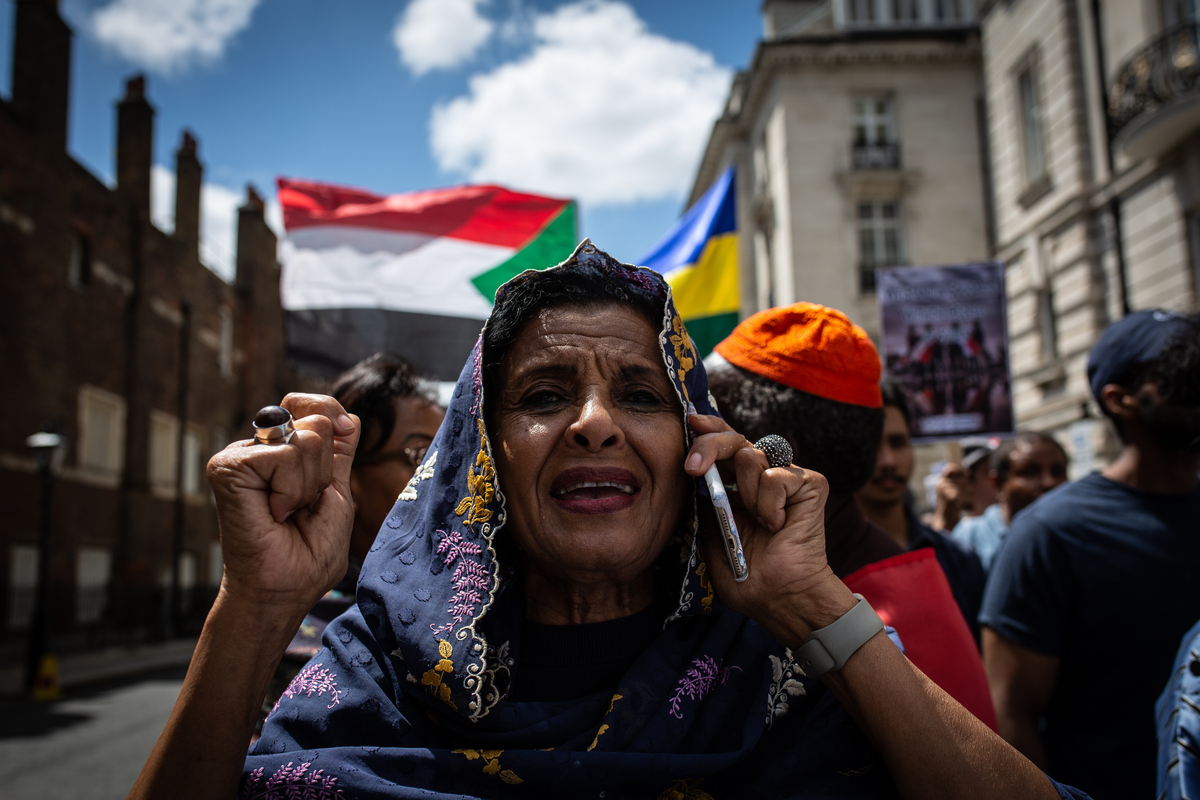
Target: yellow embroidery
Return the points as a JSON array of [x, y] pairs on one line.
[[433, 677], [685, 354], [491, 764], [685, 790], [604, 727], [480, 486], [706, 584]]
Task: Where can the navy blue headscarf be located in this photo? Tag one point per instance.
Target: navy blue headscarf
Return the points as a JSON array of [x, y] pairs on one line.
[[409, 697]]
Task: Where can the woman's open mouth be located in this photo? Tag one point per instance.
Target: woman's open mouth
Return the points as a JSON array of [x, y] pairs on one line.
[[595, 490]]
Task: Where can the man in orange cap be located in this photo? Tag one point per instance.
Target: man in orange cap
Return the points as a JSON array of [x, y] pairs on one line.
[[810, 375], [807, 373]]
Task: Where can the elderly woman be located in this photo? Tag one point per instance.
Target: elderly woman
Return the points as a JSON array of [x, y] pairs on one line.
[[547, 609]]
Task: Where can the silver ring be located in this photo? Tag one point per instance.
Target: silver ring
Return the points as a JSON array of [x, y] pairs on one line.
[[776, 449], [273, 425]]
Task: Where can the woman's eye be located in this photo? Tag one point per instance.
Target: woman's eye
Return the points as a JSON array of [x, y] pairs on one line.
[[543, 398], [642, 398]]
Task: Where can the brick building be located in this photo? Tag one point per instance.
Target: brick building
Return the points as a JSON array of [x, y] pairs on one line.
[[114, 334]]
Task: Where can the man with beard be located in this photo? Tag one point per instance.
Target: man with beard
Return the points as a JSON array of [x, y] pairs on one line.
[[884, 501], [1089, 596]]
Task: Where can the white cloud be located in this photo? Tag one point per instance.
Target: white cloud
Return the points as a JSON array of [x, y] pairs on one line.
[[167, 35], [440, 34], [218, 219], [601, 110]]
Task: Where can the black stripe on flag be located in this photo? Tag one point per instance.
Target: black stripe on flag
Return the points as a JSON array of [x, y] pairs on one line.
[[325, 342]]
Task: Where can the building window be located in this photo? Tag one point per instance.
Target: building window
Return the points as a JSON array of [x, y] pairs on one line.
[[1047, 324], [101, 432], [1193, 226], [906, 10], [1177, 12], [225, 354], [193, 460], [22, 585], [859, 12], [874, 121], [880, 242], [187, 582], [93, 572], [79, 265], [216, 565], [1032, 127], [164, 451]]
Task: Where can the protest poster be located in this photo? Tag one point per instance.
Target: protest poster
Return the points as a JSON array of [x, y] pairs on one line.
[[945, 343]]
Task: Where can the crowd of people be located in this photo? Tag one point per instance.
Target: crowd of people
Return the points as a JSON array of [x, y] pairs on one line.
[[547, 607]]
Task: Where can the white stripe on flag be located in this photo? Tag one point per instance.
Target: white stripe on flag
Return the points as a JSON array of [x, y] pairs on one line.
[[365, 240], [434, 278]]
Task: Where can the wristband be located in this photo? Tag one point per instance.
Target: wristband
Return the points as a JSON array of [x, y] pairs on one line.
[[831, 646]]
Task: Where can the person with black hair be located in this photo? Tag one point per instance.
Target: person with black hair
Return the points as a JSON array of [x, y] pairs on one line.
[[1022, 470], [1097, 581], [400, 416], [885, 502]]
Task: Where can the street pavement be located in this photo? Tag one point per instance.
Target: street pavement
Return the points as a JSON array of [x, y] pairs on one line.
[[88, 746]]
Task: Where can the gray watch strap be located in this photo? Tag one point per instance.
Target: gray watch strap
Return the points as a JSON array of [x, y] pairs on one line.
[[831, 646]]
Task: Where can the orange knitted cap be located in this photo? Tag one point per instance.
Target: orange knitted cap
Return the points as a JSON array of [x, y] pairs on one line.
[[811, 348]]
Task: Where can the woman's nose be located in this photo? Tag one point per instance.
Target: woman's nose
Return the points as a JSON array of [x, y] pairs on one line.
[[595, 429]]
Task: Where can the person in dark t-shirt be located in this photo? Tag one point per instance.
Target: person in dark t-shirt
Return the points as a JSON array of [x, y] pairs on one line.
[[1098, 580]]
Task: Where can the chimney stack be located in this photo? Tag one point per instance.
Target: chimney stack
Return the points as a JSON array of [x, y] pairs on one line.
[[41, 71], [189, 176], [135, 144]]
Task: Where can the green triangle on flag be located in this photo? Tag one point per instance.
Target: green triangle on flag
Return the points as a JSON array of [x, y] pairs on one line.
[[552, 245]]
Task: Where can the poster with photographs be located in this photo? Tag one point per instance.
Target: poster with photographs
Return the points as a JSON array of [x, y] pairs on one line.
[[945, 342]]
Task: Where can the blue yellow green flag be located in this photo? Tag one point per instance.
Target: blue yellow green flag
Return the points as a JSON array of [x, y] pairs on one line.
[[698, 257]]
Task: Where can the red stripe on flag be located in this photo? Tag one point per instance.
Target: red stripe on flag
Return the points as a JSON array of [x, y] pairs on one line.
[[486, 214]]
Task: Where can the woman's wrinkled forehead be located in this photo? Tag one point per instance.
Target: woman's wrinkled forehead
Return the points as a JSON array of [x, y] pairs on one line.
[[610, 340]]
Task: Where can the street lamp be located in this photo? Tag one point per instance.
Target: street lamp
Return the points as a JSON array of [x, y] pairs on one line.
[[40, 662]]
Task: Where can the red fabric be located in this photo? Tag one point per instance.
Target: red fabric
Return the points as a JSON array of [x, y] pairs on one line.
[[486, 214], [911, 594], [811, 348]]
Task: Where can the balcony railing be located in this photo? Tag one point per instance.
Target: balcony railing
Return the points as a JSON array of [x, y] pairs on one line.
[[1163, 75], [875, 156]]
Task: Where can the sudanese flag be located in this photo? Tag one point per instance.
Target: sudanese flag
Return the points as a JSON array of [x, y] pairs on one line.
[[411, 273]]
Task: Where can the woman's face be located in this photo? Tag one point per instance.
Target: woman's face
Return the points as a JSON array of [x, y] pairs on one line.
[[589, 444]]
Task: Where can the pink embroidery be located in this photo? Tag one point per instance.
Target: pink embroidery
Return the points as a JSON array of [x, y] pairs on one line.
[[310, 681], [292, 783], [702, 678], [470, 578]]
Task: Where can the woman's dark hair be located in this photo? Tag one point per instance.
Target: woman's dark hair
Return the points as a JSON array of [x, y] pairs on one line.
[[573, 284], [894, 396], [369, 389], [838, 440], [1001, 462]]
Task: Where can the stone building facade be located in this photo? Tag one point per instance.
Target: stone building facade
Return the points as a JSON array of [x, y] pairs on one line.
[[857, 139], [1094, 111], [115, 335]]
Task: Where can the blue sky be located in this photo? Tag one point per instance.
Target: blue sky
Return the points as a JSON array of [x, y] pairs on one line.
[[609, 102]]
